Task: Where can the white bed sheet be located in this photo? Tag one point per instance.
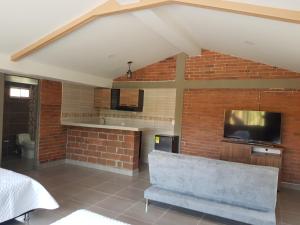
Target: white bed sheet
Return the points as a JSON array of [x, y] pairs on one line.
[[85, 217], [20, 194]]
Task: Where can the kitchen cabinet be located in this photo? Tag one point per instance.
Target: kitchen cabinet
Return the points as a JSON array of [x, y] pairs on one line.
[[102, 98], [127, 99]]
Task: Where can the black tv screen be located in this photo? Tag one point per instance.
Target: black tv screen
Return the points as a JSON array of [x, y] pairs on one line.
[[253, 126]]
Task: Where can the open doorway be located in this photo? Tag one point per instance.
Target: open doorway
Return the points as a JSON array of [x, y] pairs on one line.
[[19, 123]]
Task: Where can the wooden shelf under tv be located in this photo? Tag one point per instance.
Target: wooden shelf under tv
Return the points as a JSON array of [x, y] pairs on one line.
[[255, 154], [262, 144]]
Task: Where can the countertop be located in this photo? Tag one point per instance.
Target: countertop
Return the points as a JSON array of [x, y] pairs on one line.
[[103, 126]]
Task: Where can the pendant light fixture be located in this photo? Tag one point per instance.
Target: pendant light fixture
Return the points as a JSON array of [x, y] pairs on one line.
[[129, 72]]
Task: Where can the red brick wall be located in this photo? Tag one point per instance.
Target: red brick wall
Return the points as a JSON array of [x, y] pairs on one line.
[[161, 71], [203, 116], [212, 65], [52, 142], [202, 125], [113, 148]]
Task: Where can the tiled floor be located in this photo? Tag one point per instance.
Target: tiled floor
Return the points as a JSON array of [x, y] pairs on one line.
[[16, 163], [121, 197]]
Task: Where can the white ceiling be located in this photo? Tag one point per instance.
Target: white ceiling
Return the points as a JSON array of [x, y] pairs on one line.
[[23, 22], [262, 40], [103, 47]]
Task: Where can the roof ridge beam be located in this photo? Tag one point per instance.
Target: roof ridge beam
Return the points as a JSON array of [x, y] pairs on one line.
[[112, 8]]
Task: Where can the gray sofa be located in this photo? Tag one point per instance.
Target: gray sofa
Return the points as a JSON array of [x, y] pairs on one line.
[[235, 191]]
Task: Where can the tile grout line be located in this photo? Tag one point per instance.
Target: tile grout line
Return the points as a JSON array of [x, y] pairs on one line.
[[130, 207], [163, 214], [109, 196], [89, 188]]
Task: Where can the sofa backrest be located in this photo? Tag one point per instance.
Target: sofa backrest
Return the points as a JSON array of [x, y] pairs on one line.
[[248, 186]]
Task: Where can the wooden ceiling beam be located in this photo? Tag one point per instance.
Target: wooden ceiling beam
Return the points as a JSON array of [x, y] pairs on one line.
[[285, 15], [113, 8]]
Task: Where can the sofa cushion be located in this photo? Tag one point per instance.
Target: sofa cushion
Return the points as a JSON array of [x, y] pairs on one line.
[[237, 213], [248, 186]]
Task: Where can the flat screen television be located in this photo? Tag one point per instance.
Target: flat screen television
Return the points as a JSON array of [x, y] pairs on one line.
[[253, 126]]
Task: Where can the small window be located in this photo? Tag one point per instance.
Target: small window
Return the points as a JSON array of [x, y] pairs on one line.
[[15, 92]]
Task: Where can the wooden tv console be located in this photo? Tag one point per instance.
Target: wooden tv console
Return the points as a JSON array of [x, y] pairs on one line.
[[252, 154]]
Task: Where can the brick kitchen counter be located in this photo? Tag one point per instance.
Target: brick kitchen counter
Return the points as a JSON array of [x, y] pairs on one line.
[[108, 149]]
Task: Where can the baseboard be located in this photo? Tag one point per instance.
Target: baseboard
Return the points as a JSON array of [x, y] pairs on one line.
[[102, 167], [51, 163], [290, 186]]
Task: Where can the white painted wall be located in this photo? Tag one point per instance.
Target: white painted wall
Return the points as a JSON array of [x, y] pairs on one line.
[[158, 116], [78, 103], [1, 111], [39, 70]]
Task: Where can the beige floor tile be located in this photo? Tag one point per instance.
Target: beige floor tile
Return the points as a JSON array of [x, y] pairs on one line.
[[91, 181], [108, 187], [291, 206], [288, 194], [115, 204], [181, 216], [50, 182], [290, 218], [123, 180], [76, 188], [69, 206], [154, 212], [140, 184], [66, 192], [66, 178], [89, 196], [131, 221], [104, 212], [131, 193], [60, 196]]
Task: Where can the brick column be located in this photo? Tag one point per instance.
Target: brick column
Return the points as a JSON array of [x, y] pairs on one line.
[[52, 136]]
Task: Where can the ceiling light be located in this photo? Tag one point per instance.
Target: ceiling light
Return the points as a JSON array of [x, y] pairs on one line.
[[129, 72]]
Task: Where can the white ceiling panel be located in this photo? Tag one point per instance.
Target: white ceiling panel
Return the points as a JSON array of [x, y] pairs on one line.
[[104, 47], [267, 41], [23, 22]]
